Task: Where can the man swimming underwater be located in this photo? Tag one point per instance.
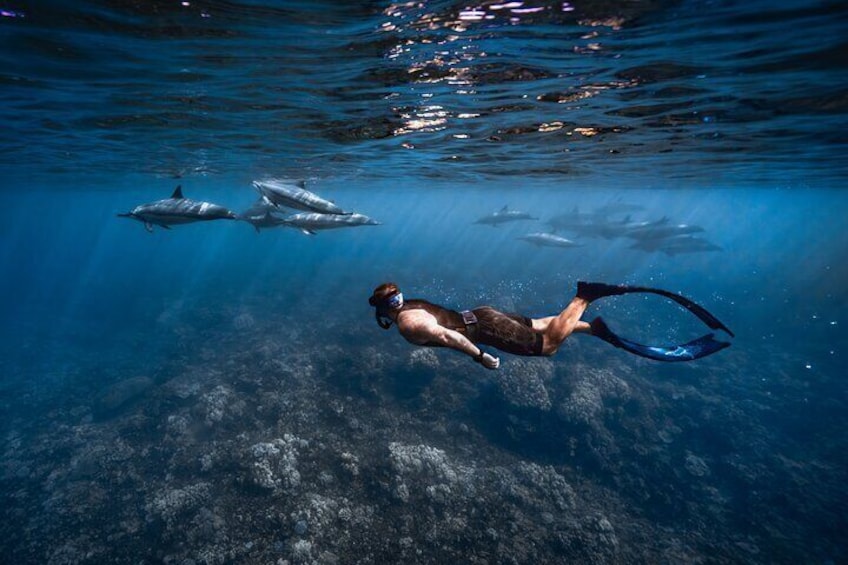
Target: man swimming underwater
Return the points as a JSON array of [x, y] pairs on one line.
[[424, 323]]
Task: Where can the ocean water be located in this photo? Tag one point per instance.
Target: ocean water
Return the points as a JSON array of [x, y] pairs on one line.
[[213, 394]]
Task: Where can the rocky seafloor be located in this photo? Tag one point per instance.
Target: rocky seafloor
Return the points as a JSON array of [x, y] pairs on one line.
[[263, 440]]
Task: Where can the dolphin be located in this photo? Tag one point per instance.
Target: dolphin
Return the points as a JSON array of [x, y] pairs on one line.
[[261, 215], [177, 210], [266, 220], [548, 240], [571, 220], [597, 225], [258, 208], [676, 245], [607, 229], [660, 229], [284, 193], [504, 215], [310, 223]]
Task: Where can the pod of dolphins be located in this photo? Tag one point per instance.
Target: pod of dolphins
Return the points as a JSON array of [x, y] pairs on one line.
[[316, 213], [657, 235], [274, 196]]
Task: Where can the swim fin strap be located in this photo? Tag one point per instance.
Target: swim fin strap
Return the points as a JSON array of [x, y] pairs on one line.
[[695, 349]]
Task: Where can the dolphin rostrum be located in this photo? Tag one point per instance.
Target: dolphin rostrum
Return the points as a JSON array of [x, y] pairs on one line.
[[504, 215], [548, 240], [177, 210], [283, 193], [310, 223]]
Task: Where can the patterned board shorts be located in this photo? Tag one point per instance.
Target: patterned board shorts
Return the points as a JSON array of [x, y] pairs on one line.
[[511, 333]]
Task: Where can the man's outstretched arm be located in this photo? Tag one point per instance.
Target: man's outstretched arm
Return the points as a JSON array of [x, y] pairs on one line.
[[455, 340], [438, 335]]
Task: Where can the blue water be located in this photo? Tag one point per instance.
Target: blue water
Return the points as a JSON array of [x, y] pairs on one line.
[[725, 115]]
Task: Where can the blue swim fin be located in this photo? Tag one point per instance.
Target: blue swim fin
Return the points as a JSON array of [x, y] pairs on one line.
[[593, 291], [695, 349]]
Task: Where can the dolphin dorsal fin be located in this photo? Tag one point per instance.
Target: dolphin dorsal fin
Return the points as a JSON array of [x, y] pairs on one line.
[[178, 192], [505, 208], [301, 184]]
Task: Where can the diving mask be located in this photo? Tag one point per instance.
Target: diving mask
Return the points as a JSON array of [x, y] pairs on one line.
[[394, 301]]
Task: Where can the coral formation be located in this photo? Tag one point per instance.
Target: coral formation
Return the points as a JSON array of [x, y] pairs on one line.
[[522, 382]]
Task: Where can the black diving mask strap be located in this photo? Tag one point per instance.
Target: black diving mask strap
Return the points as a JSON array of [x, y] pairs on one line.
[[382, 320]]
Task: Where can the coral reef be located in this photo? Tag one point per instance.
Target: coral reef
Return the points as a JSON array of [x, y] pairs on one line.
[[275, 452]]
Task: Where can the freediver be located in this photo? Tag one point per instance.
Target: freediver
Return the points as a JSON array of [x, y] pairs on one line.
[[423, 323]]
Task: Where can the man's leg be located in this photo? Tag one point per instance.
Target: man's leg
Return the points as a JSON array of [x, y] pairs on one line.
[[555, 329], [540, 325]]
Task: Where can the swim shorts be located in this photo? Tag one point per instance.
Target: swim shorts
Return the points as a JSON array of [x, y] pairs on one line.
[[511, 333]]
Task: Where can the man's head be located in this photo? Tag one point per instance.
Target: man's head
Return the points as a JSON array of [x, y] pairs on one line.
[[386, 298]]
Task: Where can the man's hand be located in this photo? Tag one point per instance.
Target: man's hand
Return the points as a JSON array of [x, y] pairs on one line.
[[489, 361]]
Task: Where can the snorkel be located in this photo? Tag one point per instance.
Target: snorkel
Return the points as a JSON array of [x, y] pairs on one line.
[[384, 305]]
